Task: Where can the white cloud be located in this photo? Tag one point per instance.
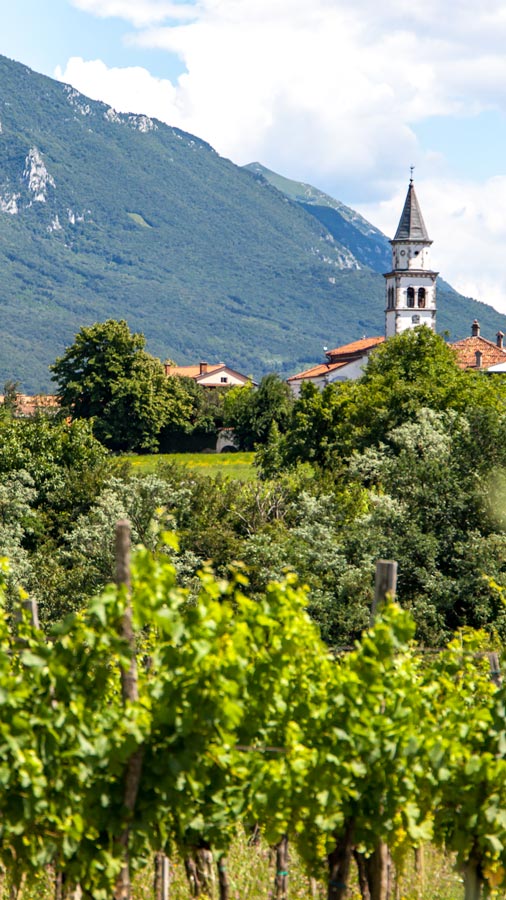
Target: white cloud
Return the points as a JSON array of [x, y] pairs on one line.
[[330, 87], [328, 92], [129, 90]]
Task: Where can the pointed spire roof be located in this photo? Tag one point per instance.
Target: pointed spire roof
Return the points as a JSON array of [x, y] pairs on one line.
[[411, 226]]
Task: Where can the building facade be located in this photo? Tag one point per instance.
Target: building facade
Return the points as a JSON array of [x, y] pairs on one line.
[[410, 286]]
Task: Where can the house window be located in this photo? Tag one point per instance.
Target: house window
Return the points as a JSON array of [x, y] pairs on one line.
[[421, 298], [415, 320], [411, 298], [224, 379]]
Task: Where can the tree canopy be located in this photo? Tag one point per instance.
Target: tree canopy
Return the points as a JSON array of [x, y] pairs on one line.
[[252, 413], [411, 371], [107, 376]]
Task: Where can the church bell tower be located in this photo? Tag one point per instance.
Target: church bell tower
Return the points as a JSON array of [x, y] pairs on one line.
[[411, 285]]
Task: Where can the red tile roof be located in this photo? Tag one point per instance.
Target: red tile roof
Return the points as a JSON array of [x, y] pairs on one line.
[[340, 357], [466, 352], [193, 371], [357, 348], [318, 370]]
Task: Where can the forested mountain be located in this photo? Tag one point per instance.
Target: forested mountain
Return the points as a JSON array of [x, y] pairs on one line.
[[111, 215]]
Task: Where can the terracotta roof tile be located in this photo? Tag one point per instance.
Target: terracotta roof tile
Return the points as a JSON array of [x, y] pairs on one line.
[[192, 371], [466, 352], [318, 370], [355, 348]]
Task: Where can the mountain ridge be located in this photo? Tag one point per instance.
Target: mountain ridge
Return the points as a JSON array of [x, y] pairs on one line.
[[116, 215]]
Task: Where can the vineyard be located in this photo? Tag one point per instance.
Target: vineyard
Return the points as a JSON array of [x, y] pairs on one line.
[[152, 724]]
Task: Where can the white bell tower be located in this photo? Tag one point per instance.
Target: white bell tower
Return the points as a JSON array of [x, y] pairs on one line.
[[411, 285]]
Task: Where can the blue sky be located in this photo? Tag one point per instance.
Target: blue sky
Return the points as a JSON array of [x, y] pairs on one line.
[[343, 94], [46, 33]]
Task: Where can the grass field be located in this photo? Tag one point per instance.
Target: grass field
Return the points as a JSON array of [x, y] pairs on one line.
[[231, 465], [252, 871]]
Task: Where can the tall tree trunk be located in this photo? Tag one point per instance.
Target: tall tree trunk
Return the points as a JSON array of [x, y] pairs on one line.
[[281, 879], [223, 879], [339, 863]]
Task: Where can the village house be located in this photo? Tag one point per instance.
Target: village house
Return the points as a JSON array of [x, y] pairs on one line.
[[476, 352], [208, 375], [342, 363], [29, 405]]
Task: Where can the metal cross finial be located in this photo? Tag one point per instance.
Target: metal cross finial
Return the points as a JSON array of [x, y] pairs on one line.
[[412, 169]]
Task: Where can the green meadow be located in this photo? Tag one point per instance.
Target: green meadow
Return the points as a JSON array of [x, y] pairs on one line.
[[231, 465]]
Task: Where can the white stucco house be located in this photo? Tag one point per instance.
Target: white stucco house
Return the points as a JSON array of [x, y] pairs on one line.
[[209, 375], [342, 363]]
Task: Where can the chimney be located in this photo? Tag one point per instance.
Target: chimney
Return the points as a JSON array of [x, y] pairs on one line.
[[475, 328], [500, 339], [479, 356], [203, 368]]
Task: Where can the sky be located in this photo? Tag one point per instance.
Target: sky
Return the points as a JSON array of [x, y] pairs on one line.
[[346, 95]]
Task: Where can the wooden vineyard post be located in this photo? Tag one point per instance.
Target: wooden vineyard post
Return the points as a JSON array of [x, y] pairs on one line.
[[495, 668], [33, 612], [129, 678], [420, 871], [385, 583], [162, 876], [130, 694], [377, 866]]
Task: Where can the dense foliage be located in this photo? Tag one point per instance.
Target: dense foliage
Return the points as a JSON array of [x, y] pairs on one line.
[[107, 376], [255, 413], [242, 715], [407, 463]]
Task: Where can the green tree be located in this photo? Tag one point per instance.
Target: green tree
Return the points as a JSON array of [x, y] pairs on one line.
[[412, 370], [251, 413], [107, 376], [205, 417]]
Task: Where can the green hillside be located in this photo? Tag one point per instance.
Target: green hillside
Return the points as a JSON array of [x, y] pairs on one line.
[[105, 215]]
